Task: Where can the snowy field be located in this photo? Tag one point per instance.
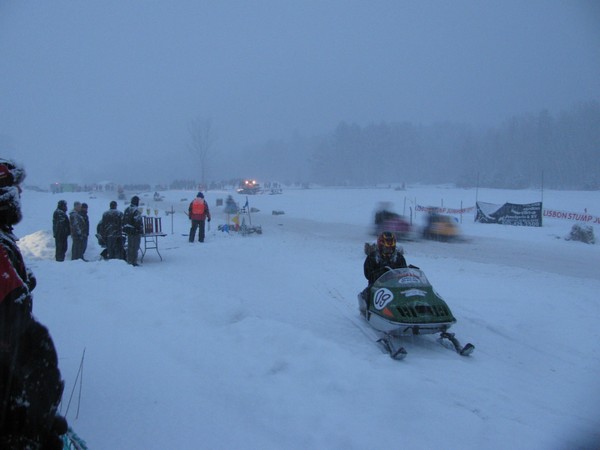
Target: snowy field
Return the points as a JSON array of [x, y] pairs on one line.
[[252, 343]]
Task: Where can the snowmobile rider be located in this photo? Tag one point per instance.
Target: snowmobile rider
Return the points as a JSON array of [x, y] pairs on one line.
[[30, 381], [386, 256]]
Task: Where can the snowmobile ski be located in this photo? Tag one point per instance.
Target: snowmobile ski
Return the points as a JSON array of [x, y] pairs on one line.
[[463, 351], [382, 340], [395, 351]]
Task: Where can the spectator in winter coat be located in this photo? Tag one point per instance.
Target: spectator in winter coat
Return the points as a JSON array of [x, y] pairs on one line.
[[30, 381], [86, 228], [133, 226], [112, 231], [198, 213], [61, 229], [231, 207], [77, 231]]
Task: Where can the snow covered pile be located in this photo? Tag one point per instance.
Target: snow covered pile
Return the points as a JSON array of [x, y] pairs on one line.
[[583, 233], [38, 245]]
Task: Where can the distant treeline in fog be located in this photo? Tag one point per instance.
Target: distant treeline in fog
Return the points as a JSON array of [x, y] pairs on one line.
[[561, 151]]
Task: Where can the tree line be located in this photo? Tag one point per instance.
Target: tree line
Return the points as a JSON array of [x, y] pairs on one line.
[[561, 151]]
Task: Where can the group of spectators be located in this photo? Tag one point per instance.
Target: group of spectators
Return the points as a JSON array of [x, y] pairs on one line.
[[111, 231], [76, 224], [115, 226], [114, 229]]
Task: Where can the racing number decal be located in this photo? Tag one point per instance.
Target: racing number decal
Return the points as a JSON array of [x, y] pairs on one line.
[[382, 297]]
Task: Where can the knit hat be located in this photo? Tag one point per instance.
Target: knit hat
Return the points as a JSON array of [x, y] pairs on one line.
[[135, 200], [113, 204], [11, 173], [200, 194]]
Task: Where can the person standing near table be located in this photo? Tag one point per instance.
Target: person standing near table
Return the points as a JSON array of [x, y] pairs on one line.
[[112, 226], [198, 213], [133, 226]]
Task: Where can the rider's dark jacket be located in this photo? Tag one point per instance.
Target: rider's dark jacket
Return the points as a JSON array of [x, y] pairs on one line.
[[376, 264]]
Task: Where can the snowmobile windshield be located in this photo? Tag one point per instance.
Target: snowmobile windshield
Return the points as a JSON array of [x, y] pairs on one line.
[[408, 277]]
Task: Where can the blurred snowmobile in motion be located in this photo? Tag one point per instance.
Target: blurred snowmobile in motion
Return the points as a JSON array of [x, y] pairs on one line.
[[387, 220], [440, 227]]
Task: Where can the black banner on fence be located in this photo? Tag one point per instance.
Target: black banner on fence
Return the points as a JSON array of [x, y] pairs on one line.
[[529, 215]]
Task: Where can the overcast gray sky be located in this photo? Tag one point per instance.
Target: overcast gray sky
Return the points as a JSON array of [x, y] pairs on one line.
[[91, 90]]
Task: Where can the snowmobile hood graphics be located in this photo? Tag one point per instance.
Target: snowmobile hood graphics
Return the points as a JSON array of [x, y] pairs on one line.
[[403, 302]]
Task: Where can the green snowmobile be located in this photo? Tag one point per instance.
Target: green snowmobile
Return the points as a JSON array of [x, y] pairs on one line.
[[402, 302]]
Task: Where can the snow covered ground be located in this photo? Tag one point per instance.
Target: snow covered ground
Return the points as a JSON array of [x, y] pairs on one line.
[[251, 342]]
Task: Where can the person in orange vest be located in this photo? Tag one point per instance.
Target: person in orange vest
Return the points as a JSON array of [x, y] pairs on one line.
[[198, 213]]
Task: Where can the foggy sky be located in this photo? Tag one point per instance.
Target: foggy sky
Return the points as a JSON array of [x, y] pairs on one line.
[[105, 90]]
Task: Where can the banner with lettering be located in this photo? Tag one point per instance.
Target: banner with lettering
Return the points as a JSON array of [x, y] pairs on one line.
[[527, 215], [578, 217], [442, 210]]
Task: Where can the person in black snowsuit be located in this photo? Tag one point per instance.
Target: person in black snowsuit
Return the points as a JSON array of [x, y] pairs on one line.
[[83, 212], [77, 231], [111, 229], [30, 382], [133, 225], [61, 228], [386, 256]]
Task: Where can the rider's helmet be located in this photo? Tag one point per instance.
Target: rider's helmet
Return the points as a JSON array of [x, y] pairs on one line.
[[386, 244]]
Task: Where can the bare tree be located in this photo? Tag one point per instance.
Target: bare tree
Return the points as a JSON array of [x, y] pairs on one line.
[[203, 138]]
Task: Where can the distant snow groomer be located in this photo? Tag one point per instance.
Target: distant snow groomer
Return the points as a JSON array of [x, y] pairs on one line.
[[198, 212]]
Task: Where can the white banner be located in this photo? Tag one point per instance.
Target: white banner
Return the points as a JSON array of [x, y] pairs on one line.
[[579, 217], [441, 210]]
